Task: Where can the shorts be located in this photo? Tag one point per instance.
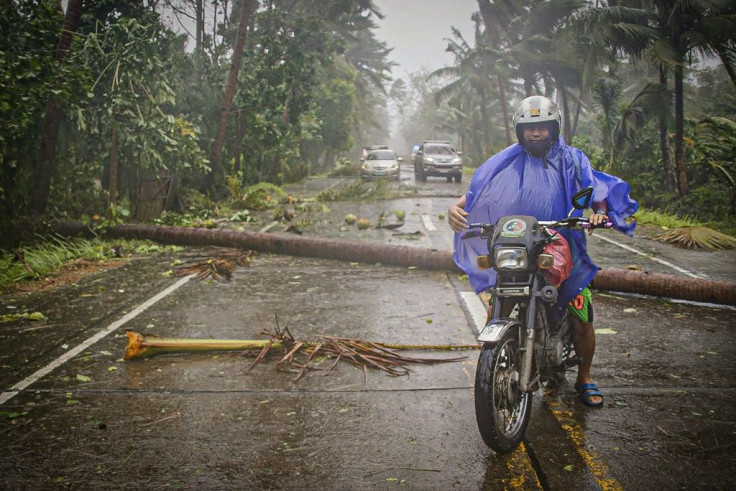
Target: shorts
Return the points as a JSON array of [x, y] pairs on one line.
[[582, 305]]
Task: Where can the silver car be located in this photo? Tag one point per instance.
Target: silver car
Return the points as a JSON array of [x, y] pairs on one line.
[[383, 163]]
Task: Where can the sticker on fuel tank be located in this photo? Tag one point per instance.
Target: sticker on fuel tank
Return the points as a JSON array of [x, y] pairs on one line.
[[513, 228]]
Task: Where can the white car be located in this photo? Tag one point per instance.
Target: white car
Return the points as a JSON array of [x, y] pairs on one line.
[[380, 163]]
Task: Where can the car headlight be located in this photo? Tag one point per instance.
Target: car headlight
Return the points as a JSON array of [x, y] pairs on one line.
[[427, 160], [512, 258], [457, 161]]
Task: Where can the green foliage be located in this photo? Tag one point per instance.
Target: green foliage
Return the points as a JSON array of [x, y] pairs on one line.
[[233, 187], [336, 108], [356, 190], [175, 219], [30, 77], [46, 257], [263, 196], [595, 154], [714, 144], [711, 203], [313, 81], [241, 216], [197, 206], [661, 219], [136, 97], [127, 74], [343, 168], [346, 192]]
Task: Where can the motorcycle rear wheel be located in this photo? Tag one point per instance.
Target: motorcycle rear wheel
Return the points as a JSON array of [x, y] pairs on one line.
[[501, 409]]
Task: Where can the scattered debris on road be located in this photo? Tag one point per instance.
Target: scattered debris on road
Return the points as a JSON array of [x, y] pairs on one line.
[[365, 354]]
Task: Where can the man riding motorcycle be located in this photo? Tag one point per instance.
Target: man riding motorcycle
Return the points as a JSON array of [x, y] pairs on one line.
[[537, 177]]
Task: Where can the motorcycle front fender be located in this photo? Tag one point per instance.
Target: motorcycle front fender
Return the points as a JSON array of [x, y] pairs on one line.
[[496, 328]]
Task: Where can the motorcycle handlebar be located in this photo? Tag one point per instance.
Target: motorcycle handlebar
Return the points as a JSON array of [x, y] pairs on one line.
[[587, 225], [478, 229]]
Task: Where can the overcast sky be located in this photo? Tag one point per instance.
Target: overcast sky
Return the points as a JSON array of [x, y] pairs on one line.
[[417, 30]]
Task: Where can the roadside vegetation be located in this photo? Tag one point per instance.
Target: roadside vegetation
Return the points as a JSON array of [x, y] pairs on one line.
[[52, 255], [112, 114]]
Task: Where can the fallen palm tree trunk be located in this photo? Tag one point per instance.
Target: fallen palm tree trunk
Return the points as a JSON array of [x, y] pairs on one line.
[[365, 354], [693, 289], [663, 285], [294, 245]]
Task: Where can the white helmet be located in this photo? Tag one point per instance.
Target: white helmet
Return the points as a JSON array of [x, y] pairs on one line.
[[537, 109]]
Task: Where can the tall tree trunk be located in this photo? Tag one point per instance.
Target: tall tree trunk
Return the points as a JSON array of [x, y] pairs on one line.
[[45, 165], [112, 188], [682, 186], [492, 39], [567, 130], [238, 142], [199, 14], [578, 106], [485, 121], [664, 144], [247, 8], [504, 109]]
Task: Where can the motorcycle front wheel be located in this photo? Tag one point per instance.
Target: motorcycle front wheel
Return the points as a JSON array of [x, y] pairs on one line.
[[501, 409]]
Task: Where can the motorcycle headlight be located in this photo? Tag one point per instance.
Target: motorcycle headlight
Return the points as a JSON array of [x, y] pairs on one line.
[[510, 258]]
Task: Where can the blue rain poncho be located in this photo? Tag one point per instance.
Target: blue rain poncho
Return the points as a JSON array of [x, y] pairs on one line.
[[513, 182]]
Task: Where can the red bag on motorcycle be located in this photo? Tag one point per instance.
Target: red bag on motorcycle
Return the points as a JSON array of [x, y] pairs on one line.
[[562, 266]]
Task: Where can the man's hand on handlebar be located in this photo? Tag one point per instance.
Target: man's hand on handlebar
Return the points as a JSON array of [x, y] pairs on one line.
[[597, 219], [456, 215]]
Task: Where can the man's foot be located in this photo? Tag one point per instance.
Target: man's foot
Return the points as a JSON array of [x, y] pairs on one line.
[[589, 394]]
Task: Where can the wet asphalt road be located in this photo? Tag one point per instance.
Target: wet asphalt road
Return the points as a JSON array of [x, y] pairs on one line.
[[209, 421]]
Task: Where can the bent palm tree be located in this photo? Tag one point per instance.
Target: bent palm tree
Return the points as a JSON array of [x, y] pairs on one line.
[[667, 33]]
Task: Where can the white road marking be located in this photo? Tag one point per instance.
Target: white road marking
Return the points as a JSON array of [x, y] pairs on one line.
[[477, 310], [427, 221], [42, 372], [269, 227], [660, 261]]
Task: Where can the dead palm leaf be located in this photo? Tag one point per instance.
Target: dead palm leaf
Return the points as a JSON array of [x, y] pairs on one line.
[[697, 237], [223, 265]]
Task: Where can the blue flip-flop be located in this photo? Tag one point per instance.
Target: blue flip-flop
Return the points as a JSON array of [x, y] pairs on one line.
[[586, 391]]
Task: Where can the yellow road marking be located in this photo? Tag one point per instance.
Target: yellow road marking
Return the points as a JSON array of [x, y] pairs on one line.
[[597, 468], [523, 475]]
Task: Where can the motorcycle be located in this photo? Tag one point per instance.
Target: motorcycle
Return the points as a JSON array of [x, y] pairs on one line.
[[529, 346]]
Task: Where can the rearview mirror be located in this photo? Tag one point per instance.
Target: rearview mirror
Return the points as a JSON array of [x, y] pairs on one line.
[[581, 199]]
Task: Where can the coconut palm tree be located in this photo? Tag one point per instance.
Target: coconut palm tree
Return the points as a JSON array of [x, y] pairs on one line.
[[544, 52], [668, 33], [497, 17], [248, 8], [469, 77]]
